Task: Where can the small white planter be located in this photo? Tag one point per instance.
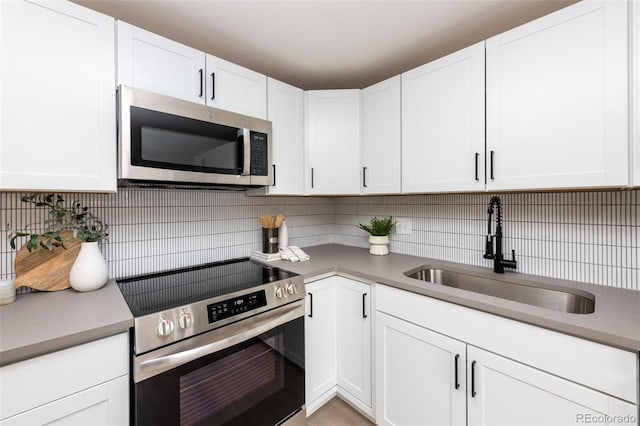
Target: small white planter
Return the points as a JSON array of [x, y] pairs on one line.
[[379, 245], [89, 272]]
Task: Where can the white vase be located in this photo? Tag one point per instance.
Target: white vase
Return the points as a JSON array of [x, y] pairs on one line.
[[379, 245], [89, 272]]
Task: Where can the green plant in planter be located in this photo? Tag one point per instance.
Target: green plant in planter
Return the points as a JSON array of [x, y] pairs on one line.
[[75, 217], [379, 227]]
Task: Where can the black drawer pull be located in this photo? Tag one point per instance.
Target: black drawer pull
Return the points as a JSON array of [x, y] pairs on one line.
[[477, 158], [274, 175], [364, 313], [457, 384], [491, 163], [310, 315], [201, 82], [473, 379], [364, 177]]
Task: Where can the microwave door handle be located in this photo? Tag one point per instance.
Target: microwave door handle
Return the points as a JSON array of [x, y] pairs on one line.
[[246, 149]]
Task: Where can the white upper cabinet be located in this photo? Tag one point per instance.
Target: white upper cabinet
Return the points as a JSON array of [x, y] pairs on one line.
[[381, 137], [635, 81], [57, 98], [443, 124], [286, 113], [150, 62], [557, 100], [234, 88], [332, 141]]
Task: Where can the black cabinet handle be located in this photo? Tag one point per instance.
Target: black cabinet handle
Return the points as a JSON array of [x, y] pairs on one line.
[[274, 175], [364, 177], [364, 313], [310, 315], [473, 379], [477, 158], [213, 85], [201, 81], [491, 163], [312, 177], [457, 384]]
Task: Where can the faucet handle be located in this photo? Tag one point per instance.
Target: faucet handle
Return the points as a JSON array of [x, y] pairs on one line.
[[513, 263]]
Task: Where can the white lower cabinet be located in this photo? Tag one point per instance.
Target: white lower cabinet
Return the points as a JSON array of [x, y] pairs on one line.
[[338, 343], [420, 375], [442, 364], [507, 393], [320, 342], [353, 333], [86, 384]]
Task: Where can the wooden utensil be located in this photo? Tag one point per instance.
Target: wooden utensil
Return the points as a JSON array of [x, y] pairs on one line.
[[47, 270], [278, 221]]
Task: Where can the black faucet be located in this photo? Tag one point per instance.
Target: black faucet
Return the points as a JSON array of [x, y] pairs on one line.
[[499, 262]]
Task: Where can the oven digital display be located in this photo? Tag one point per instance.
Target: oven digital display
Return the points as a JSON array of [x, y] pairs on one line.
[[237, 305]]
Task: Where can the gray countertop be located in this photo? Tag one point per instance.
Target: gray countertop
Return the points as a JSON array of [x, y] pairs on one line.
[[615, 322], [43, 322], [39, 323]]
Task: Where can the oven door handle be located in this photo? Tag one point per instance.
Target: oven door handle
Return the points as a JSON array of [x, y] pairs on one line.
[[152, 364]]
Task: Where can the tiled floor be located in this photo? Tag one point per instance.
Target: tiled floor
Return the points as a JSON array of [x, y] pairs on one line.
[[337, 413]]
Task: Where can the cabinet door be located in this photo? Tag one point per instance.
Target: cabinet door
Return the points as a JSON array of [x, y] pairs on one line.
[[635, 82], [416, 378], [381, 137], [103, 405], [320, 339], [333, 141], [285, 111], [353, 305], [557, 100], [57, 98], [235, 88], [504, 392], [150, 62], [443, 124]]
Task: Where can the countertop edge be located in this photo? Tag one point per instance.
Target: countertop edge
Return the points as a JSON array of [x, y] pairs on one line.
[[330, 265]]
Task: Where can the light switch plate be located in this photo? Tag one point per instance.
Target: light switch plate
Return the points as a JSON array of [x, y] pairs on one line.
[[403, 226]]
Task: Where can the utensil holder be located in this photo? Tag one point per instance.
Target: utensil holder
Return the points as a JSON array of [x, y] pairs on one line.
[[269, 240]]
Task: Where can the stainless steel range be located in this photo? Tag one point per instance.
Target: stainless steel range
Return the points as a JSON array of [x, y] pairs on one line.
[[217, 344]]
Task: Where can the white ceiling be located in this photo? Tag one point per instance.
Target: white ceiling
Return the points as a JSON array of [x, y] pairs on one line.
[[327, 44]]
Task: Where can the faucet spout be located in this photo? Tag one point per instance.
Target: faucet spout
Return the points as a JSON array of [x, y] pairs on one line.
[[499, 262]]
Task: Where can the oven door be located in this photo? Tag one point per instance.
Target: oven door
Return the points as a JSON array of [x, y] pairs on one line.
[[247, 373]]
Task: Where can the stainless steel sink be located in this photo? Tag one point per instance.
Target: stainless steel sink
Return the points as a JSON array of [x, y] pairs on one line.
[[574, 302]]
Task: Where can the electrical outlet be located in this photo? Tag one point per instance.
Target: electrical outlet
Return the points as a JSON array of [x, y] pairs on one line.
[[403, 226]]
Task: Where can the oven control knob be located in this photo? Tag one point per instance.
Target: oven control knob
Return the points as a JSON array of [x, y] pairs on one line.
[[280, 292], [165, 327], [292, 288], [185, 321]]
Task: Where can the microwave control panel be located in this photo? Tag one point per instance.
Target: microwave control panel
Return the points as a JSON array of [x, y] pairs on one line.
[[259, 154]]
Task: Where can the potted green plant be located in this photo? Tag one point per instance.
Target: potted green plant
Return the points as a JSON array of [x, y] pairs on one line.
[[379, 230], [89, 270]]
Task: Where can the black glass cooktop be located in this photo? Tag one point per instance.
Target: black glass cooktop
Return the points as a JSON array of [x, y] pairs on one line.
[[151, 293]]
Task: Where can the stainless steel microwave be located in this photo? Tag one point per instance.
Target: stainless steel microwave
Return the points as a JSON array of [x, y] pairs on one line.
[[164, 140]]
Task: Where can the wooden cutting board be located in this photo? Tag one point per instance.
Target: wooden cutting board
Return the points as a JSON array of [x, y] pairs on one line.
[[47, 270]]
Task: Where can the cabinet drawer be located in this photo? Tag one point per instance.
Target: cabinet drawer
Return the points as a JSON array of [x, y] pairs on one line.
[[601, 367], [37, 381]]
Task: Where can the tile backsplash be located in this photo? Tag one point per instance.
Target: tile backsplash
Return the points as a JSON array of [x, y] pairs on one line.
[[585, 236], [159, 229]]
